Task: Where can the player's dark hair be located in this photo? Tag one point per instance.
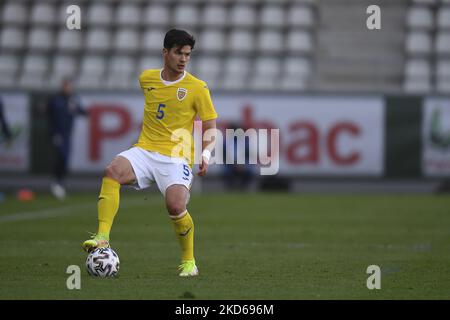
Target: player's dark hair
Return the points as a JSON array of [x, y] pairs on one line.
[[178, 38]]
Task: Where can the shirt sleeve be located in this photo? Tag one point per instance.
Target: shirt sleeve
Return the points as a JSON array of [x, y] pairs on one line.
[[204, 106]]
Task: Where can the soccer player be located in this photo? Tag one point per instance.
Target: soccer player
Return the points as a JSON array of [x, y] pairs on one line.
[[173, 99]]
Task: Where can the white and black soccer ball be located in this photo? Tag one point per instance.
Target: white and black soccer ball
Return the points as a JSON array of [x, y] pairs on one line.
[[103, 262]]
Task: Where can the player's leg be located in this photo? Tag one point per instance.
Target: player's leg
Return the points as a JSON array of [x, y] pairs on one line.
[[117, 173], [177, 196]]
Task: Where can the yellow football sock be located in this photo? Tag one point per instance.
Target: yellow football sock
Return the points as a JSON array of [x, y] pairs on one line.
[[108, 204], [184, 229]]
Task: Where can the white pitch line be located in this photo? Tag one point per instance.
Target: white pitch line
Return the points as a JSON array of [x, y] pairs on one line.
[[55, 212]]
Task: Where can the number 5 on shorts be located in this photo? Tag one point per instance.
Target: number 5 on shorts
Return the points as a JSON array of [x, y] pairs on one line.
[[186, 170]]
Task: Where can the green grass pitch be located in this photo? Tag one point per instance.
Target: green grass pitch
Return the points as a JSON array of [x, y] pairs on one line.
[[248, 246]]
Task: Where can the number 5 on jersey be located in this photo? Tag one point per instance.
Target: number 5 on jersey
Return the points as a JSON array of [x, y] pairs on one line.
[[160, 111]]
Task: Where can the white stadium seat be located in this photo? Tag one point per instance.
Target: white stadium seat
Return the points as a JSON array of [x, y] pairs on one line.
[[63, 66], [126, 40], [69, 40], [300, 16], [241, 41], [152, 39], [272, 16], [299, 41], [443, 43], [92, 71], [419, 17], [443, 17], [186, 16], [156, 15], [14, 12], [12, 38], [270, 41], [419, 85], [34, 71], [98, 39], [149, 62], [209, 69], [418, 43], [128, 15], [212, 41], [100, 14], [120, 70], [266, 73], [214, 15], [43, 13], [9, 65], [236, 72], [40, 39], [242, 15], [417, 68]]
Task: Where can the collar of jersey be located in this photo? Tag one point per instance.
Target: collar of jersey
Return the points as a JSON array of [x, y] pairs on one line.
[[168, 83]]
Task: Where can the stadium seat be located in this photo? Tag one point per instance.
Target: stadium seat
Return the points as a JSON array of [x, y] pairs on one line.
[[9, 65], [186, 15], [98, 39], [209, 69], [443, 70], [417, 68], [149, 62], [272, 16], [443, 17], [92, 71], [128, 15], [420, 17], [418, 43], [242, 15], [419, 85], [241, 41], [120, 71], [152, 40], [443, 43], [295, 73], [126, 40], [12, 38], [214, 15], [266, 74], [63, 66], [236, 73], [40, 39], [270, 41], [299, 41], [300, 16], [69, 40], [156, 15], [43, 13], [100, 14], [14, 13], [34, 71], [212, 41]]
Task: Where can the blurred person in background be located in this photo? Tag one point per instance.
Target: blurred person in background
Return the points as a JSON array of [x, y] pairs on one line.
[[237, 176], [62, 109], [5, 130]]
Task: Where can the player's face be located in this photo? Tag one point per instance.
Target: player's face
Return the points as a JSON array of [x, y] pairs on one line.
[[177, 58]]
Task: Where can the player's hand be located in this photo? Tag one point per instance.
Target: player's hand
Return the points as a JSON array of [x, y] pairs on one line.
[[203, 168]]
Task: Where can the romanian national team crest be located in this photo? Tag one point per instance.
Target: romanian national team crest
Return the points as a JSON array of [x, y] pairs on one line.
[[181, 93]]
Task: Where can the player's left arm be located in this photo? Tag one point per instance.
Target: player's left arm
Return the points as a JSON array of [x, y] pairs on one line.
[[209, 133]]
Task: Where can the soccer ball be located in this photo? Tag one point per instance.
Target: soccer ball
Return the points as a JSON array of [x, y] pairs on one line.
[[103, 262]]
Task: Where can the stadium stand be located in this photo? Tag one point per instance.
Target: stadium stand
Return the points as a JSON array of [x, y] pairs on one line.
[[318, 46]]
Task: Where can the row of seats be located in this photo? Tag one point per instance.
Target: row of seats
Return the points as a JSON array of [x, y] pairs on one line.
[[104, 13], [92, 71], [427, 44], [101, 39], [422, 42]]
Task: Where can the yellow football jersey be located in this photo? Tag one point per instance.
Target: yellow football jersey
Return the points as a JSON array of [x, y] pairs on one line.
[[169, 108]]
